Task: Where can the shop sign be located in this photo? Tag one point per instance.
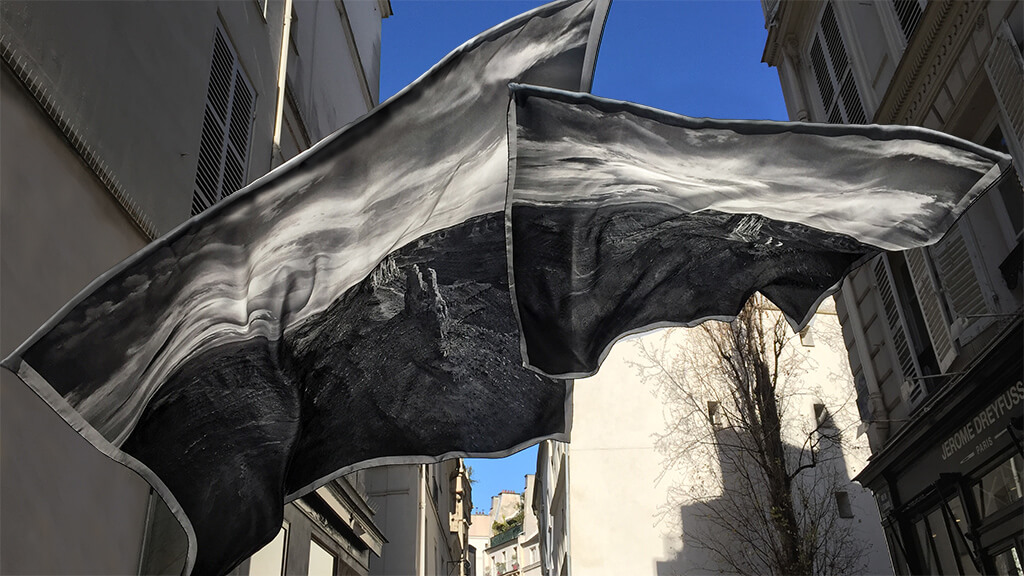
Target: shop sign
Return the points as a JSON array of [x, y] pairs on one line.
[[980, 432]]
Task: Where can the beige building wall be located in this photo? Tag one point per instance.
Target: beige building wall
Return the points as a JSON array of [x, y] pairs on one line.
[[622, 493], [101, 109], [58, 229], [479, 538], [551, 507]]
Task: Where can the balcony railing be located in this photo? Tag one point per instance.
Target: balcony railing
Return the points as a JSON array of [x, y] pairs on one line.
[[506, 536], [503, 568]]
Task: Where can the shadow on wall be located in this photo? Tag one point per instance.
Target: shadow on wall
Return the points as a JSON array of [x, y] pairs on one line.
[[732, 533]]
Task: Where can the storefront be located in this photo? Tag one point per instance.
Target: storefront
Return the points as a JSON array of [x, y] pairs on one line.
[[949, 484]]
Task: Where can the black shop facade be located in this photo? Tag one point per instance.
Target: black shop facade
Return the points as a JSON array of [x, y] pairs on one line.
[[949, 485]]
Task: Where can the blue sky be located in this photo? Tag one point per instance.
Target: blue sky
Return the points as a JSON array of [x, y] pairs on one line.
[[693, 57]]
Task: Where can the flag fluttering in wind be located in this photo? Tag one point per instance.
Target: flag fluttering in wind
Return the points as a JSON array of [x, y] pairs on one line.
[[625, 218], [349, 309], [353, 307]]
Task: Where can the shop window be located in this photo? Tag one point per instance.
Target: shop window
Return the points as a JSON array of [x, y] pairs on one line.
[[269, 560], [1000, 487], [936, 549], [942, 543], [926, 553], [1008, 563], [958, 528], [321, 561], [843, 504], [896, 551]]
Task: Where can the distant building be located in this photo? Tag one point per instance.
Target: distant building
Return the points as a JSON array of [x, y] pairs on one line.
[[120, 121], [611, 489], [934, 334], [331, 531], [479, 538], [550, 504], [513, 547], [424, 512]]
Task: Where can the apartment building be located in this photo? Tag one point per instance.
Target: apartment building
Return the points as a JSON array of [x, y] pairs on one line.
[[933, 334], [120, 120], [551, 507], [424, 511], [512, 545]]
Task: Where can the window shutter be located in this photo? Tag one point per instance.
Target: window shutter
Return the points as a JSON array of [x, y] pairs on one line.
[[894, 319], [831, 66], [238, 135], [908, 12], [1005, 68], [931, 306], [227, 122], [959, 281], [960, 284]]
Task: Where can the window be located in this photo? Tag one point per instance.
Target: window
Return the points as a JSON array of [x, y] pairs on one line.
[[227, 123], [843, 504], [1008, 562], [963, 547], [321, 561], [1000, 487], [823, 418], [269, 561], [941, 542], [831, 66], [907, 332], [714, 413], [896, 551]]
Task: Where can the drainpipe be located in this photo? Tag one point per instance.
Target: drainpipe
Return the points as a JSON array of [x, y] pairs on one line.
[[421, 522], [282, 83]]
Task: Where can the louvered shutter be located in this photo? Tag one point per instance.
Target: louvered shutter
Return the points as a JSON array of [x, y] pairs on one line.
[[1005, 68], [895, 321], [908, 12], [227, 122], [959, 279], [833, 74], [932, 308]]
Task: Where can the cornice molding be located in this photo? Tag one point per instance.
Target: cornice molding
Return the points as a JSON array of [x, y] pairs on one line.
[[793, 19], [946, 28], [22, 70]]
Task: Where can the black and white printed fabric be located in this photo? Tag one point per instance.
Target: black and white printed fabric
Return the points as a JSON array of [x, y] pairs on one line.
[[349, 309], [624, 218]]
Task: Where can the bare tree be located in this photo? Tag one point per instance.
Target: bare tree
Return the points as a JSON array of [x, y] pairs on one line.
[[770, 506]]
